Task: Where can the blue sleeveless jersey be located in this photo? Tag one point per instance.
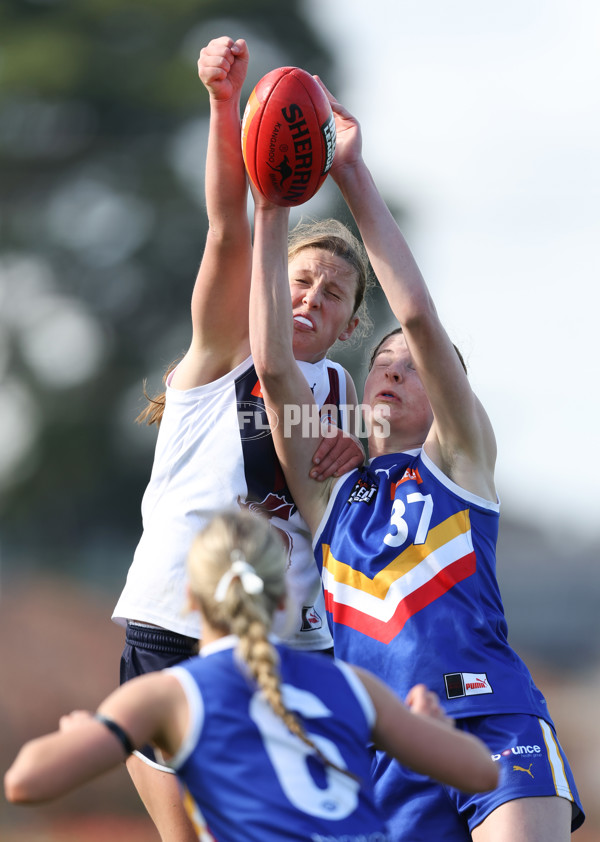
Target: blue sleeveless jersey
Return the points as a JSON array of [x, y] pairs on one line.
[[247, 777], [408, 567]]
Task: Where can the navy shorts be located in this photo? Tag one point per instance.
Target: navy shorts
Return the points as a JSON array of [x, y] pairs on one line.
[[149, 649], [532, 763]]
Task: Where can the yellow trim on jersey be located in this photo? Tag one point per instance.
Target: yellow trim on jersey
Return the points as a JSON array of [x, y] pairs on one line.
[[454, 526]]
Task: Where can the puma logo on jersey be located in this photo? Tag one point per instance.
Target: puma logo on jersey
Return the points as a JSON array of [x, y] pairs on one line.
[[521, 769], [466, 684]]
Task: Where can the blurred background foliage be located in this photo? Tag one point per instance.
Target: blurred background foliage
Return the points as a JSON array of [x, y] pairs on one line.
[[103, 125]]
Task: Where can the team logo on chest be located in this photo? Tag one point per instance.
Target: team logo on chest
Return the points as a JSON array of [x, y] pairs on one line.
[[274, 506], [311, 619], [363, 492], [409, 474]]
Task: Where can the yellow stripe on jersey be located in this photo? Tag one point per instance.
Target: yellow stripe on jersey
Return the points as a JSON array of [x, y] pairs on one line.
[[443, 534]]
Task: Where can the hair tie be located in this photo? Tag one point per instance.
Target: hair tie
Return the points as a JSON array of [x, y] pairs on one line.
[[240, 569]]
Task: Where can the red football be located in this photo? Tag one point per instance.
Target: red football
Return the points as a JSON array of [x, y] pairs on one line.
[[288, 136]]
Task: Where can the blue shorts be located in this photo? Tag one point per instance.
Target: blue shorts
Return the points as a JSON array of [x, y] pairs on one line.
[[532, 763], [149, 649]]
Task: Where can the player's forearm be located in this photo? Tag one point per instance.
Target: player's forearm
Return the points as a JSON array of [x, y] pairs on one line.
[[270, 304], [389, 253], [225, 176], [52, 765]]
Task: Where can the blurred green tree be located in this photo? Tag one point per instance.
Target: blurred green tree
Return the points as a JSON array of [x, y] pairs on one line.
[[102, 142]]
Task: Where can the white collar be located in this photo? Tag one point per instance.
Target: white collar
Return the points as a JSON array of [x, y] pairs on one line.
[[229, 641]]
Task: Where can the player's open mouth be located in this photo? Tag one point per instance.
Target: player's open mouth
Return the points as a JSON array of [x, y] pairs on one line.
[[301, 320]]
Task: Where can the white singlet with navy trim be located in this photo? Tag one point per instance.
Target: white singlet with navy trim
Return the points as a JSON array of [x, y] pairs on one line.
[[214, 449]]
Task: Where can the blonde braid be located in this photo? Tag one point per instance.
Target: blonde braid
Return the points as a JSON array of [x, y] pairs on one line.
[[262, 661], [248, 616]]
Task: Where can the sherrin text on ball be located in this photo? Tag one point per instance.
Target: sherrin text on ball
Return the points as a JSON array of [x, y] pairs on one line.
[[288, 136]]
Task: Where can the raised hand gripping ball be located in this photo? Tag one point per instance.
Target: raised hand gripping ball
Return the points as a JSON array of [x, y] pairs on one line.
[[288, 136]]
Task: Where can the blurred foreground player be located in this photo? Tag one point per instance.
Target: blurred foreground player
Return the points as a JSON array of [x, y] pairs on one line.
[[267, 741]]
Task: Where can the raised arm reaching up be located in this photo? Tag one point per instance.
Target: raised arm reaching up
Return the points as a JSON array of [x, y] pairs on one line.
[[323, 284], [220, 297], [460, 440]]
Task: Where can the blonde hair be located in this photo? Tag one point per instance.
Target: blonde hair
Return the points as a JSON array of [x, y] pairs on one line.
[[240, 534]]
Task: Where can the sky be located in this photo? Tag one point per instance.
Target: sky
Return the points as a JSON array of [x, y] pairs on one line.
[[482, 120]]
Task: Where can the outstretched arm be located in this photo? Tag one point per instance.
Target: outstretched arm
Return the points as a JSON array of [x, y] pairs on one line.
[[151, 708], [220, 296], [461, 441], [282, 382], [422, 737]]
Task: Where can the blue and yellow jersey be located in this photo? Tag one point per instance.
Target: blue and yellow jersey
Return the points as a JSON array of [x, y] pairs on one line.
[[408, 562]]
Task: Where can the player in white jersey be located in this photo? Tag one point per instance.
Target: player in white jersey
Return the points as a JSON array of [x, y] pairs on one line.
[[268, 742], [214, 447]]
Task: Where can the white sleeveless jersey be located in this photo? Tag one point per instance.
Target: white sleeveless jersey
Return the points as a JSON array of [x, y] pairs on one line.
[[215, 450]]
